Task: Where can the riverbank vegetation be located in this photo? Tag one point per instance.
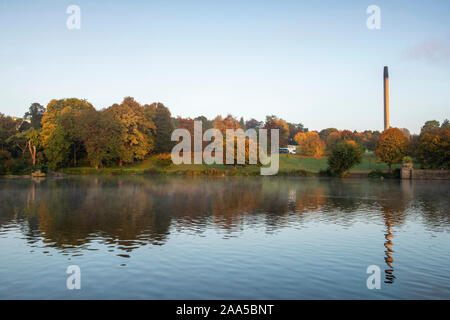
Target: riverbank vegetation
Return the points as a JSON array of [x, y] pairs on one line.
[[71, 136]]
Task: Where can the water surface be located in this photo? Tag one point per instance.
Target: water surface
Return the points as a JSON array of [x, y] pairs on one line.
[[224, 238]]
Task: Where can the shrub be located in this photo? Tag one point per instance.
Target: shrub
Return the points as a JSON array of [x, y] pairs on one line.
[[163, 159], [344, 156], [5, 158], [407, 159], [395, 174]]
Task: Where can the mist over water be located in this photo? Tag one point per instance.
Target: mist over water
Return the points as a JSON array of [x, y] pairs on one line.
[[223, 238]]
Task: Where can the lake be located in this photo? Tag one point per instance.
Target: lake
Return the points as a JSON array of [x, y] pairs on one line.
[[141, 237]]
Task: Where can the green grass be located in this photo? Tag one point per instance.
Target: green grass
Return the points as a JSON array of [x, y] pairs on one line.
[[289, 165]]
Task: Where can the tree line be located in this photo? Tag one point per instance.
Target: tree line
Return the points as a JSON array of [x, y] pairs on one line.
[[71, 132]]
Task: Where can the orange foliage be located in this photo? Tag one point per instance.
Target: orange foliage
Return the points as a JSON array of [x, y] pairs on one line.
[[310, 144]]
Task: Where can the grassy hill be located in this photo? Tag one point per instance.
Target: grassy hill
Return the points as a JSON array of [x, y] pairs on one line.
[[289, 165]]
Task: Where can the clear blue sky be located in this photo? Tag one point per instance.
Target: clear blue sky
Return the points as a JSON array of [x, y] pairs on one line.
[[313, 62]]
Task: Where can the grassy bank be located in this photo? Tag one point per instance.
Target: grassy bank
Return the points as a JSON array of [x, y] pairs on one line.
[[289, 165]]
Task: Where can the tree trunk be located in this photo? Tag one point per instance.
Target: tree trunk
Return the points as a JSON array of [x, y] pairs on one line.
[[120, 163], [74, 156], [32, 153]]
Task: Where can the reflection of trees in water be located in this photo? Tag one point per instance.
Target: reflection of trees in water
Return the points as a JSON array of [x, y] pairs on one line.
[[129, 212]]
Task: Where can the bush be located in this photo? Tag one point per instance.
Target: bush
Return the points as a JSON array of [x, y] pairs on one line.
[[5, 158], [395, 174], [407, 159], [163, 159], [20, 167], [343, 157]]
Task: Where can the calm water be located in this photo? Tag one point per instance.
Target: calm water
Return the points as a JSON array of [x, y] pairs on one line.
[[223, 238]]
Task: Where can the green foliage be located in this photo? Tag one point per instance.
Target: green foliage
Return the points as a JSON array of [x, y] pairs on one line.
[[343, 157], [162, 120], [57, 149], [430, 125], [433, 150], [377, 174], [407, 159], [5, 157], [7, 129], [100, 135], [35, 114]]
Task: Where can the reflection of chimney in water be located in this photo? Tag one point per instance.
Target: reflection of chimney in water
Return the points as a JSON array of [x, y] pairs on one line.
[[389, 278]]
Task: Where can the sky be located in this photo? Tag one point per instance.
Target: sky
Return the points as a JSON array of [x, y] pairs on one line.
[[313, 62]]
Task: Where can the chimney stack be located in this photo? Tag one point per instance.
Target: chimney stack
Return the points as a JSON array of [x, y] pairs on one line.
[[386, 97]]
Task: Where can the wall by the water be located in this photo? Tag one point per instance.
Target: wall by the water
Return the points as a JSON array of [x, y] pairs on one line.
[[409, 173]]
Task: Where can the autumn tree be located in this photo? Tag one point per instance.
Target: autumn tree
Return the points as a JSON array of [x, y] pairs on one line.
[[332, 139], [392, 147], [206, 124], [310, 144], [295, 128], [254, 124], [55, 108], [273, 122], [323, 134], [433, 150], [136, 130]]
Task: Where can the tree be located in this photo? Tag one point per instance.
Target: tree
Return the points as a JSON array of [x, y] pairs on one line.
[[369, 139], [430, 125], [433, 150], [229, 122], [101, 136], [343, 157], [294, 128], [332, 139], [34, 142], [406, 133], [272, 122], [242, 124], [18, 143], [7, 129], [136, 130], [35, 114], [57, 148], [162, 119], [206, 124], [310, 144], [55, 108], [253, 124], [445, 124], [392, 146], [323, 134], [69, 120]]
